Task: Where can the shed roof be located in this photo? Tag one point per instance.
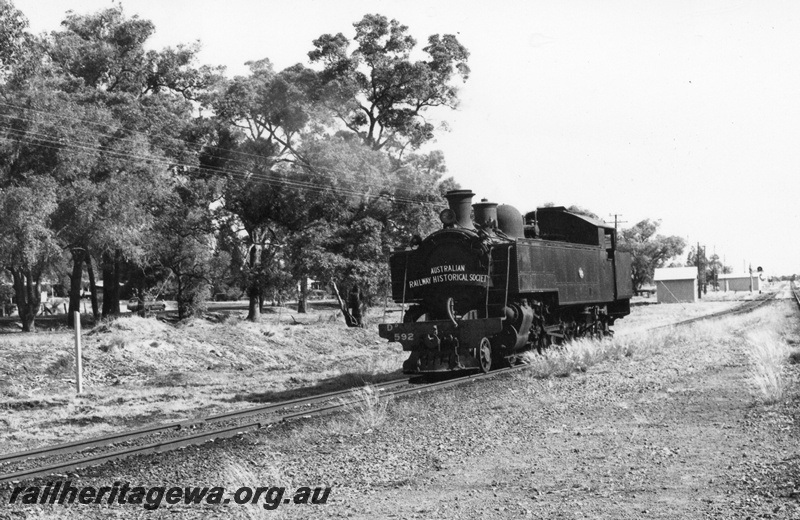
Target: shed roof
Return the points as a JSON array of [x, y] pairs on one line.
[[675, 273], [733, 276]]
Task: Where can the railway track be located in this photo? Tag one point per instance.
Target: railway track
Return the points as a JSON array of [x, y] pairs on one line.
[[747, 306], [795, 292], [58, 459], [40, 461]]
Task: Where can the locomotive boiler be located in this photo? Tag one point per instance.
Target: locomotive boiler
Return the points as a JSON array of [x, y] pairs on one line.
[[483, 290]]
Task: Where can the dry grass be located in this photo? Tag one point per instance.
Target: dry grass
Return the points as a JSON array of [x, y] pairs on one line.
[[768, 355], [648, 316], [140, 371], [363, 411], [236, 475], [64, 364], [366, 407], [581, 354], [763, 336], [576, 356]]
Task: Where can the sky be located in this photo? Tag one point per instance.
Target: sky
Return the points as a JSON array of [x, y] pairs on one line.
[[687, 112]]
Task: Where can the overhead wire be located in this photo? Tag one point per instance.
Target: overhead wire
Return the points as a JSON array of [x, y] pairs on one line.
[[47, 141], [166, 161], [82, 144], [409, 188]]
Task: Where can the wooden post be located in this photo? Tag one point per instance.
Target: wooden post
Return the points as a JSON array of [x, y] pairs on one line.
[[78, 356]]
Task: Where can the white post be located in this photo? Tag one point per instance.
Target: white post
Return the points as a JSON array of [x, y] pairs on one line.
[[78, 356]]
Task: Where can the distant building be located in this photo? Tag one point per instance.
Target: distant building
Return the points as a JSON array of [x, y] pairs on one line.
[[739, 282], [676, 284]]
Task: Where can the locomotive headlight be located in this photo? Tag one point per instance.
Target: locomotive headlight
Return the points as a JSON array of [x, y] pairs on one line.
[[448, 217]]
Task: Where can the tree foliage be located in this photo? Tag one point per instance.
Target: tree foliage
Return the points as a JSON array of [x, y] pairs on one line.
[[27, 243], [648, 250], [302, 173], [378, 92], [338, 201], [710, 267], [13, 36]]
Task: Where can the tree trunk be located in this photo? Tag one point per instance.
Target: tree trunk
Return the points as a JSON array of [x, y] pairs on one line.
[[75, 286], [302, 300], [111, 284], [348, 318], [179, 296], [253, 310], [253, 292], [92, 288], [355, 303], [29, 297]]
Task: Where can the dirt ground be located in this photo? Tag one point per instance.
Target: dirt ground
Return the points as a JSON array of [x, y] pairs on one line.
[[139, 371], [672, 432]]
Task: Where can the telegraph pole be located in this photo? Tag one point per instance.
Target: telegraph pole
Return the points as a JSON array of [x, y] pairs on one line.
[[617, 222]]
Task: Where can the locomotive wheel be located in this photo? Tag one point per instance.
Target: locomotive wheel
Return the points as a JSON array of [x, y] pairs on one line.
[[485, 355]]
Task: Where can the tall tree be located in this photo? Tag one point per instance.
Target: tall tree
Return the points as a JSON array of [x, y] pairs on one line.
[[648, 249], [149, 94], [35, 152], [312, 156], [27, 244], [182, 242], [378, 92], [368, 209], [262, 119]]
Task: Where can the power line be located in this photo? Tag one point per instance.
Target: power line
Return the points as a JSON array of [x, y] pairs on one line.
[[49, 143], [317, 170]]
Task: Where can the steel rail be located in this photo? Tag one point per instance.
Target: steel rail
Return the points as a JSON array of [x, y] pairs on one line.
[[199, 438], [795, 293], [114, 438], [747, 306]]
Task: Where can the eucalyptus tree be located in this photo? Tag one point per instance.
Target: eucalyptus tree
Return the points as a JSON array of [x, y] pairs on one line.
[[27, 244], [314, 156], [104, 63], [37, 162], [648, 249], [378, 92], [182, 242], [264, 117]]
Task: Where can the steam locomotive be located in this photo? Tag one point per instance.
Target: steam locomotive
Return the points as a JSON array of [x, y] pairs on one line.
[[484, 291]]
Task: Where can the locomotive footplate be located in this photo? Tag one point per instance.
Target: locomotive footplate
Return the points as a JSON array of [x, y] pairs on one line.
[[440, 346]]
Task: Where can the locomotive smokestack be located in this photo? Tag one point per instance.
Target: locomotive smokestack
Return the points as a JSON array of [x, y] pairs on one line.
[[460, 202], [485, 213]]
